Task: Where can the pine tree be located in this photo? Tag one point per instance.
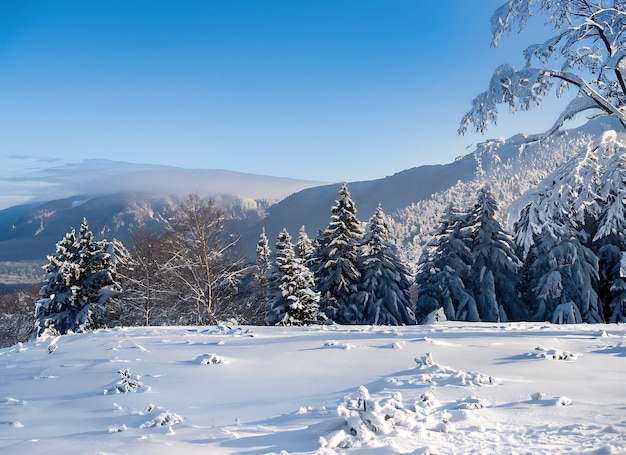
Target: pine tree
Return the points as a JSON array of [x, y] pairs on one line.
[[336, 262], [80, 283], [443, 271], [57, 309], [612, 287], [385, 284], [99, 285], [304, 246], [294, 301], [495, 266], [263, 264]]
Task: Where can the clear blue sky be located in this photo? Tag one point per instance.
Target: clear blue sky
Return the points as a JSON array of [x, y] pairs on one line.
[[325, 90]]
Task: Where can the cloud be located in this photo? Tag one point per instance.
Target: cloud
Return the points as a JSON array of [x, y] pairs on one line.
[[95, 177]]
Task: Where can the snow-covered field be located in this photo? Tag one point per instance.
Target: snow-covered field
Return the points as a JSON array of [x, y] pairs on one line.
[[520, 388]]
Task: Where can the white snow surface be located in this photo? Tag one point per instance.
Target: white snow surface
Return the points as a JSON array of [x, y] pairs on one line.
[[447, 388]]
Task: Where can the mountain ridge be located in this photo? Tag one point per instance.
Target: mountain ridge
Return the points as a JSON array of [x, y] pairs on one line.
[[413, 198]]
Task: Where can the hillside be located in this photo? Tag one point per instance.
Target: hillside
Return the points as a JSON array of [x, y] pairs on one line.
[[440, 389], [414, 198]]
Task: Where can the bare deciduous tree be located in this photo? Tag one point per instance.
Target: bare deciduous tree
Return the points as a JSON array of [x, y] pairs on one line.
[[203, 264]]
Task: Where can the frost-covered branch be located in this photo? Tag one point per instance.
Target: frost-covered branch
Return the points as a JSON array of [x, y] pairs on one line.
[[589, 46]]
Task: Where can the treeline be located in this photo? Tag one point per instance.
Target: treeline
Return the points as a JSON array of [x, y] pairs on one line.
[[565, 262], [345, 275]]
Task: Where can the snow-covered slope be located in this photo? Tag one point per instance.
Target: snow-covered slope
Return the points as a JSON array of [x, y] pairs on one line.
[[448, 388], [416, 198]]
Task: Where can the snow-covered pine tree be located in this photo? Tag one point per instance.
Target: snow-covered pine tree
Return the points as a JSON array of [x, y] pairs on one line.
[[304, 245], [443, 270], [263, 263], [335, 262], [495, 266], [100, 288], [609, 240], [582, 204], [59, 301], [294, 301], [385, 283], [612, 287], [80, 281]]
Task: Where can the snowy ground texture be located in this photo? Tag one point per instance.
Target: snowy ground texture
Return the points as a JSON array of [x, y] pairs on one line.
[[450, 388]]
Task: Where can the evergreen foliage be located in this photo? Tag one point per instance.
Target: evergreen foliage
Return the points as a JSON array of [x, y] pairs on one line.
[[335, 262], [584, 52], [263, 263], [304, 245], [81, 281], [495, 266], [470, 268], [293, 300], [572, 238], [444, 269], [384, 289]]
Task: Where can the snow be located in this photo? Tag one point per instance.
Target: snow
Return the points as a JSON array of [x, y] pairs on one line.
[[436, 389]]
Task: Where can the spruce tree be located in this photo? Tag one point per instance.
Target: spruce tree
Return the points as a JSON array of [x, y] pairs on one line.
[[294, 301], [59, 301], [494, 271], [444, 269], [385, 279], [304, 246], [336, 262], [263, 264], [99, 284], [80, 284]]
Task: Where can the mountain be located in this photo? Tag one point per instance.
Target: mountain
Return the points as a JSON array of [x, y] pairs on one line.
[[116, 197], [124, 195], [102, 177], [415, 198]]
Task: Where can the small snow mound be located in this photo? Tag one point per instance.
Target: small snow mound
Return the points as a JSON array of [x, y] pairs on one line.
[[337, 344], [538, 396], [426, 400], [425, 361], [436, 316], [556, 354], [127, 383], [444, 427], [164, 419], [563, 401], [117, 429], [54, 344], [211, 359], [473, 403], [371, 421], [437, 374]]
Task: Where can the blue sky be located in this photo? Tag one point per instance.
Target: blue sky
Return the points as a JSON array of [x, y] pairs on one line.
[[325, 90]]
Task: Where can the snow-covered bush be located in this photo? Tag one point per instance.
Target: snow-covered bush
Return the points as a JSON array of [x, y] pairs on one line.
[[127, 383]]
